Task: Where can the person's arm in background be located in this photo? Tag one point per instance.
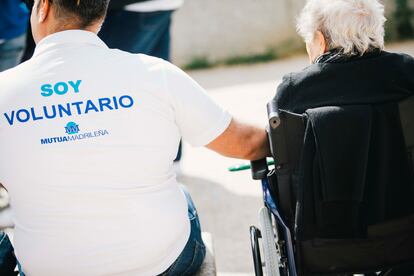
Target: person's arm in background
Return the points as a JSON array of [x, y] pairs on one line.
[[241, 141]]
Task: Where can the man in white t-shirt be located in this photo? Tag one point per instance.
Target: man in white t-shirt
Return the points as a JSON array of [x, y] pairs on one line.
[[87, 141]]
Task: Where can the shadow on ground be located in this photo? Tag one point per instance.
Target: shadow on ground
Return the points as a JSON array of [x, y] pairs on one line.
[[227, 216]]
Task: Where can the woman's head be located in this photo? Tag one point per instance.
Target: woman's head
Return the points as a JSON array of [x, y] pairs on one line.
[[353, 26]]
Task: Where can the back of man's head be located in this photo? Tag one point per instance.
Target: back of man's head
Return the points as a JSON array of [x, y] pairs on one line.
[[50, 16], [82, 12]]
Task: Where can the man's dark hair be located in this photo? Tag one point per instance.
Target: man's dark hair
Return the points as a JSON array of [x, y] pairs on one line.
[[83, 12]]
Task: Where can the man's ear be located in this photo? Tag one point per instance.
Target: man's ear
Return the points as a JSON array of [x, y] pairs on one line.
[[43, 10]]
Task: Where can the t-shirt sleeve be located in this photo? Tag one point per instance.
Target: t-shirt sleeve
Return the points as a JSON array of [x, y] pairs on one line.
[[198, 117]]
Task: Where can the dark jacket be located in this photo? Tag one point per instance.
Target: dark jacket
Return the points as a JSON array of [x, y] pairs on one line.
[[354, 170], [373, 78]]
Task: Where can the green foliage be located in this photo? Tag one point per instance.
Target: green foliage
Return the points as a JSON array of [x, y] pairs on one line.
[[198, 63], [269, 55], [403, 16], [285, 49], [204, 63], [390, 31]]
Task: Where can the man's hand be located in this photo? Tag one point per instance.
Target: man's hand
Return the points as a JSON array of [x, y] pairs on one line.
[[242, 141]]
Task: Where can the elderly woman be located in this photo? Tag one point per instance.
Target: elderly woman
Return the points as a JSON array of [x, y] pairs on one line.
[[354, 172], [345, 43]]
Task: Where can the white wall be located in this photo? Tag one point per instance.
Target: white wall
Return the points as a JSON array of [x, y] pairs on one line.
[[219, 29]]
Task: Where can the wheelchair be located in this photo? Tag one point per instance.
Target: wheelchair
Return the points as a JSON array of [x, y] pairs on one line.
[[387, 249]]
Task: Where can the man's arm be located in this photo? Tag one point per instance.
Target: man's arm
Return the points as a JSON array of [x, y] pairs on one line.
[[241, 141]]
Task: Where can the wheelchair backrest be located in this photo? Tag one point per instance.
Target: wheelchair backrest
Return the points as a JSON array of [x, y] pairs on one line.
[[286, 139], [407, 121]]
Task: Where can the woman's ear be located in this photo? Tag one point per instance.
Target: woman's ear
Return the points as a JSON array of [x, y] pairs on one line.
[[321, 42], [317, 46]]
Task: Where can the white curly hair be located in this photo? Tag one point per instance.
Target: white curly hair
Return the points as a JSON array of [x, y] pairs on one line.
[[354, 26]]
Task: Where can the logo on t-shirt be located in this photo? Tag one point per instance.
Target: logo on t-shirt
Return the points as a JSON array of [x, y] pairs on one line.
[[72, 131], [72, 128]]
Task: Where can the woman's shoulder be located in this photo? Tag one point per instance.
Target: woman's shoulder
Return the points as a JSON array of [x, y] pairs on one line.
[[293, 79], [401, 67], [395, 63], [396, 55], [293, 86], [375, 63]]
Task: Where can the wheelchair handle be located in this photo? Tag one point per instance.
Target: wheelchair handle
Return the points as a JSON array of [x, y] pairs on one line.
[[247, 166], [273, 115], [259, 169]]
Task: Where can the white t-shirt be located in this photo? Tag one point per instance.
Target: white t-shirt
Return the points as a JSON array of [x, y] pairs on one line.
[[88, 136], [155, 5]]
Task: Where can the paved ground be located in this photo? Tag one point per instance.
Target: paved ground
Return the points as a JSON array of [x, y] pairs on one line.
[[228, 202]]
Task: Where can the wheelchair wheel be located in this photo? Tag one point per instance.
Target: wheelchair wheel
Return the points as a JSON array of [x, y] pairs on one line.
[[270, 253]]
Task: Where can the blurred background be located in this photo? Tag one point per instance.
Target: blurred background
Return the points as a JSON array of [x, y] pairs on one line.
[[209, 32]]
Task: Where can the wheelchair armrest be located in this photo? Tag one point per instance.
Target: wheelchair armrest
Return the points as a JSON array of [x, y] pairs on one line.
[[259, 169]]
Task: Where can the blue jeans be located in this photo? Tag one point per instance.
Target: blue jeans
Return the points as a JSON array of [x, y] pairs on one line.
[[138, 32], [11, 51], [192, 257]]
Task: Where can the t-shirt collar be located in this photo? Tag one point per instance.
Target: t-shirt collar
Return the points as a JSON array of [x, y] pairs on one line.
[[68, 37]]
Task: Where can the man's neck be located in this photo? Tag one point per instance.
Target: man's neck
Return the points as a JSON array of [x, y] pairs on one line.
[[67, 27]]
